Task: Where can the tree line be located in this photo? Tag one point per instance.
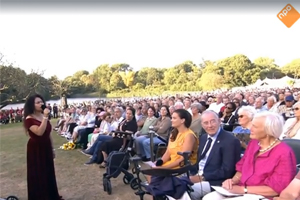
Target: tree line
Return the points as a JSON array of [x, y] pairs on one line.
[[120, 80]]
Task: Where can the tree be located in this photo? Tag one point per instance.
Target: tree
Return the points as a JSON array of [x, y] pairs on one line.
[[59, 88], [211, 81], [292, 69]]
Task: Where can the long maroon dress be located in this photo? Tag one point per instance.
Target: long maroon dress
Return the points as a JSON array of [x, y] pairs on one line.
[[41, 181]]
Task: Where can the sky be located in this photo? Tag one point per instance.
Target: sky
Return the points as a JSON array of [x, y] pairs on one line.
[[62, 43]]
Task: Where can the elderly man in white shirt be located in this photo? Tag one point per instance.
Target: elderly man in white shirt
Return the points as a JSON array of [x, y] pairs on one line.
[[216, 107]]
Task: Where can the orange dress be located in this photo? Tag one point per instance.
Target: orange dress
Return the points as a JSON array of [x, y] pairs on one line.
[[176, 146]]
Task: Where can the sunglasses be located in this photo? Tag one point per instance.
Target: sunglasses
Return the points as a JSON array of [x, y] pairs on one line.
[[229, 108], [241, 116], [296, 109]]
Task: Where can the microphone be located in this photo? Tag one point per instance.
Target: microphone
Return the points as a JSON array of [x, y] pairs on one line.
[[159, 162], [43, 107]]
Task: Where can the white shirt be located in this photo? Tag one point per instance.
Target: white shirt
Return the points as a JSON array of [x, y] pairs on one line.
[[114, 125], [90, 119], [216, 107], [288, 125], [203, 161]]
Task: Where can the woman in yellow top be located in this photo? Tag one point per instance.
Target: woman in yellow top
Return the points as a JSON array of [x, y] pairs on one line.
[[182, 139]]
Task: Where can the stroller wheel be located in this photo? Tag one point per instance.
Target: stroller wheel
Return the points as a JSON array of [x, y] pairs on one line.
[[12, 198], [127, 179], [108, 187], [104, 184], [133, 170], [134, 183]]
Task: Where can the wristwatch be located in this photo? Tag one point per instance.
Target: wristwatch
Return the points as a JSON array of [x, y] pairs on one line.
[[245, 190]]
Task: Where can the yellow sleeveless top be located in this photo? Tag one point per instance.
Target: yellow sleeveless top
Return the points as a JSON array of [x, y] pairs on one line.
[[176, 146]]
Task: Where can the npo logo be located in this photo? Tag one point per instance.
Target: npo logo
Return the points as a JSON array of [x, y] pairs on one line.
[[288, 15]]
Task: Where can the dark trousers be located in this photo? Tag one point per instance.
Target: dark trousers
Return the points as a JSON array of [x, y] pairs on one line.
[[55, 114], [83, 135], [71, 127]]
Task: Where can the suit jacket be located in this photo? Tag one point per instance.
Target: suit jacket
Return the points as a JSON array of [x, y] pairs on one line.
[[224, 155]]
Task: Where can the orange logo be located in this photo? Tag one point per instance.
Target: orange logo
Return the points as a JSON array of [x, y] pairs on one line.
[[288, 15]]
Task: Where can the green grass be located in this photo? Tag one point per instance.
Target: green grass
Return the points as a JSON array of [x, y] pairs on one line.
[[75, 180]]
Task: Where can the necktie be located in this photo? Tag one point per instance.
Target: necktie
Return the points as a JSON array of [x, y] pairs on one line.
[[207, 147]]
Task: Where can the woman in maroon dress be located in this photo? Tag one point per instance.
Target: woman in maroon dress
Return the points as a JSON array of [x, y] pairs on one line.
[[41, 181]]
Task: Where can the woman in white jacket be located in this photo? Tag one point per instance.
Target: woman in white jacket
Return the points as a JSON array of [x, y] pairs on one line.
[[291, 127]]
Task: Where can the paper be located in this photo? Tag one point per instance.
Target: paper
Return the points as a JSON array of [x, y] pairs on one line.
[[150, 163], [185, 196], [224, 192]]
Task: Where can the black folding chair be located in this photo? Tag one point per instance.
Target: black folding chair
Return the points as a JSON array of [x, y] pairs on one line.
[[137, 184], [295, 145]]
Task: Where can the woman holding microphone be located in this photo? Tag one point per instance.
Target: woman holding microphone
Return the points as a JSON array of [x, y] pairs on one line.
[[41, 180]]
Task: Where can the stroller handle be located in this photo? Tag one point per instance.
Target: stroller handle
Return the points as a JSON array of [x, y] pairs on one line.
[[122, 133], [158, 136]]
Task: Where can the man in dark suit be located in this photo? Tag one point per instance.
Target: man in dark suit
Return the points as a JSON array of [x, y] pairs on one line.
[[218, 153]]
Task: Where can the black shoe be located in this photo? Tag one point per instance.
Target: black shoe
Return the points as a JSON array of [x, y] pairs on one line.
[[89, 162], [144, 159]]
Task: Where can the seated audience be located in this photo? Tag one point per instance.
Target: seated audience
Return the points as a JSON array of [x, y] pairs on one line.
[[161, 128], [104, 128], [128, 125], [268, 165], [94, 149]]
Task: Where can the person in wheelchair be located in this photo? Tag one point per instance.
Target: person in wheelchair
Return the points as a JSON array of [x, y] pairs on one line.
[[161, 128], [115, 144]]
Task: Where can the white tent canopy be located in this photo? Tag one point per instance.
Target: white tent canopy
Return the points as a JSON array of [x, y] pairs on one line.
[[275, 83]]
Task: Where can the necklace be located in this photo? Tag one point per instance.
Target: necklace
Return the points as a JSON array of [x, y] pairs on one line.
[[269, 147]]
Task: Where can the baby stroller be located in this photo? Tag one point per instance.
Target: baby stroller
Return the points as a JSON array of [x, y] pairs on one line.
[[137, 184], [10, 198], [118, 162]]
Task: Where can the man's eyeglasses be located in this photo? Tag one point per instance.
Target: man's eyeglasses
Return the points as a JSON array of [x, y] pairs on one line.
[[241, 116], [229, 108], [296, 109]]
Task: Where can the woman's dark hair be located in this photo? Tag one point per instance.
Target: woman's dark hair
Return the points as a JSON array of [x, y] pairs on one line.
[[152, 108], [168, 111], [232, 105], [99, 108], [29, 106], [183, 114], [133, 112]]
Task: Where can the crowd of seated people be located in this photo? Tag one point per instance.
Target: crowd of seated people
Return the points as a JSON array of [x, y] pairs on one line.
[[11, 116], [257, 163]]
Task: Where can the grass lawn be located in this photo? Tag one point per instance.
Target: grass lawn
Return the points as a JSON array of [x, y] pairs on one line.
[[74, 179]]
